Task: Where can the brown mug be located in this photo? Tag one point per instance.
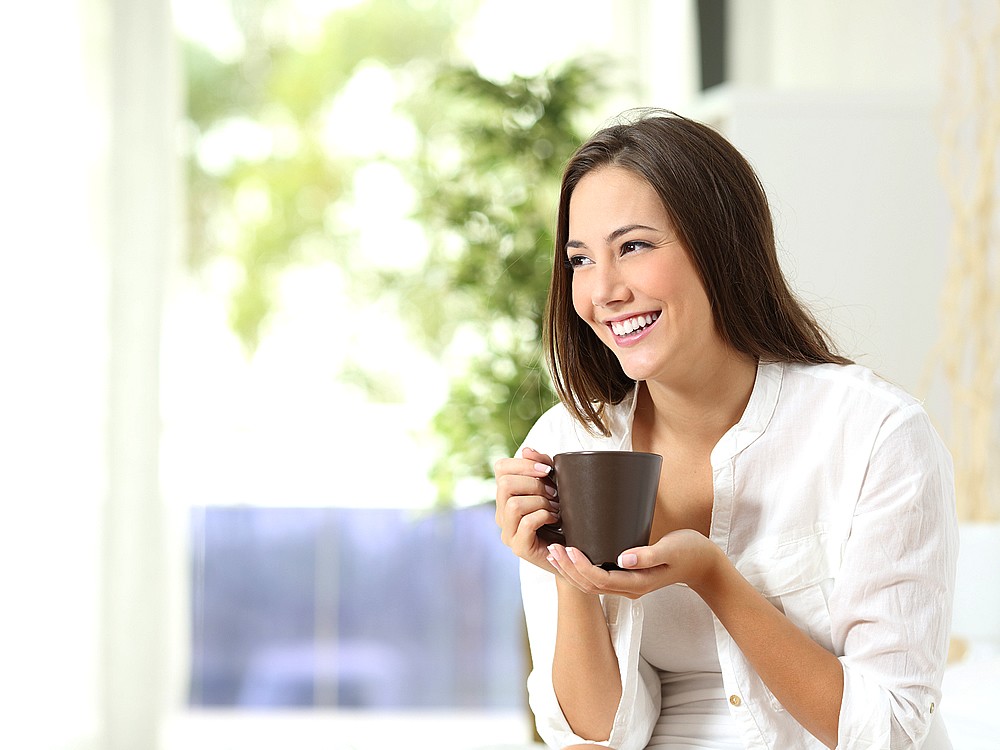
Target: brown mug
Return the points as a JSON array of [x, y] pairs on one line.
[[606, 501]]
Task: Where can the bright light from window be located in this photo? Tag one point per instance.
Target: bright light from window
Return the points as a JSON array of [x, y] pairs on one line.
[[524, 37], [362, 121], [210, 23]]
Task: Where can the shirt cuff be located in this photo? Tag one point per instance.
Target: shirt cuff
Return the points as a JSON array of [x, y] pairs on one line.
[[874, 717], [639, 707]]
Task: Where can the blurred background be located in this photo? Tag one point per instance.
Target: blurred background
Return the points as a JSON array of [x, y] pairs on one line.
[[271, 282]]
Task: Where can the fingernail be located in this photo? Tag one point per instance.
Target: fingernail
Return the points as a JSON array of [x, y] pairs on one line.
[[554, 505], [544, 468], [571, 553], [552, 549], [627, 561], [525, 450], [551, 490]]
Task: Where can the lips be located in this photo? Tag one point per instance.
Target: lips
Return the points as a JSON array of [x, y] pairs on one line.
[[631, 325]]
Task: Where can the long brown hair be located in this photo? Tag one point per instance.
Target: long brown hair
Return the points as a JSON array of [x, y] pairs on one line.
[[719, 209]]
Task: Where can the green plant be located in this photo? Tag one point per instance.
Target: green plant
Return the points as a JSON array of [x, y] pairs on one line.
[[264, 187], [488, 178]]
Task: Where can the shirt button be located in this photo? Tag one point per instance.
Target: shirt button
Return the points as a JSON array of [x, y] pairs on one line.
[[735, 700]]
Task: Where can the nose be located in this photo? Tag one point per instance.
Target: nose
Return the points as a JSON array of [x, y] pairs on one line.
[[610, 287]]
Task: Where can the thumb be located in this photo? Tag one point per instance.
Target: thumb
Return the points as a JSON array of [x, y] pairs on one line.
[[637, 558]]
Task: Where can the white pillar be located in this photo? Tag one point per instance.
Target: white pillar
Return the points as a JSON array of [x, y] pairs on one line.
[[143, 180]]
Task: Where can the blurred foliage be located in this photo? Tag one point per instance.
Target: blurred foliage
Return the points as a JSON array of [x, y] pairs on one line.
[[264, 200], [488, 178], [264, 186]]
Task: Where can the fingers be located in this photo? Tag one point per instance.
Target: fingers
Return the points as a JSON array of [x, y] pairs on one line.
[[531, 464], [524, 466], [574, 566], [522, 476], [532, 454], [518, 494], [525, 539], [525, 501], [682, 556], [576, 569], [522, 516]]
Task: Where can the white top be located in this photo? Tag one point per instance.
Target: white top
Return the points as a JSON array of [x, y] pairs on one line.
[[694, 710], [834, 497]]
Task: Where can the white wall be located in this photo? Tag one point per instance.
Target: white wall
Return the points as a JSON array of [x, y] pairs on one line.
[[837, 45], [860, 215], [834, 102]]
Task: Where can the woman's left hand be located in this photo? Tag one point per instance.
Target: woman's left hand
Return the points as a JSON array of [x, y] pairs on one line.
[[682, 556]]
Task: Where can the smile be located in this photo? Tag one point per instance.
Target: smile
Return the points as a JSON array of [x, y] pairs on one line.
[[630, 325]]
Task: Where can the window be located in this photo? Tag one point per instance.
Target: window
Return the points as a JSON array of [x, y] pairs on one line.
[[383, 609]]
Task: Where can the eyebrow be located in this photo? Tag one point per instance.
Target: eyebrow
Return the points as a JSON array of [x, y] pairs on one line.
[[614, 235]]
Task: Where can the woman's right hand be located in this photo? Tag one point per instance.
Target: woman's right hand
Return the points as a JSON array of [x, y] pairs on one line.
[[526, 501]]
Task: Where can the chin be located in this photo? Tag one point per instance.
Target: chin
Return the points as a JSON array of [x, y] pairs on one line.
[[636, 372]]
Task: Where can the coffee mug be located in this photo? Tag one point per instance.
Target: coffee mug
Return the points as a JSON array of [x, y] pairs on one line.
[[606, 501]]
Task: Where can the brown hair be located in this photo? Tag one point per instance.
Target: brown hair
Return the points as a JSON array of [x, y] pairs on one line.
[[719, 209]]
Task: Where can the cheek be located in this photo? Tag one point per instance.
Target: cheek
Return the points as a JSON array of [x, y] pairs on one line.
[[581, 298]]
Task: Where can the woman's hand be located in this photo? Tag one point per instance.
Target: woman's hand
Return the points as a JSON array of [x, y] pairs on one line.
[[682, 556], [526, 501]]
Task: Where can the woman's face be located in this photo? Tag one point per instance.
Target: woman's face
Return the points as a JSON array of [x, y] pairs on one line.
[[633, 280]]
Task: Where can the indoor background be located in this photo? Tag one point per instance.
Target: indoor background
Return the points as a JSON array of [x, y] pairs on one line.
[[268, 287]]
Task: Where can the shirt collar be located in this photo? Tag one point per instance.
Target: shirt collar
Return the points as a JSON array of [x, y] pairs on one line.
[[756, 416], [753, 422]]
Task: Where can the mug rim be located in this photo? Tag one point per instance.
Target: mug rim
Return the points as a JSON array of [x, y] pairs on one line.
[[602, 453]]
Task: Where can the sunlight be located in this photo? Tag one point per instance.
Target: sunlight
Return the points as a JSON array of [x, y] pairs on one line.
[[383, 198], [519, 37], [236, 139], [362, 120], [210, 23], [282, 429]]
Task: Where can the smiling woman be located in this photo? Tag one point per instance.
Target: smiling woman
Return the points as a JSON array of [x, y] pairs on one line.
[[805, 514]]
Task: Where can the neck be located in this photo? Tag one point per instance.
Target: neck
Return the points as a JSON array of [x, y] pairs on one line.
[[701, 407]]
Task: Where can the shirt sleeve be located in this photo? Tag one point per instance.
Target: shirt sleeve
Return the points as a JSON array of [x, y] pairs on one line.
[[640, 702], [891, 605]]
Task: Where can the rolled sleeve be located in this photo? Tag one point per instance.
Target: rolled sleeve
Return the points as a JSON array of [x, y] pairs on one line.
[[891, 605], [640, 703]]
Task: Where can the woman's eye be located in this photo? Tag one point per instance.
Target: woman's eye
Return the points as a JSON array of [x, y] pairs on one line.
[[575, 261], [630, 247]]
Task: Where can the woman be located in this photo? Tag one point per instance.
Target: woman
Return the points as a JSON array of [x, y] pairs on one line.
[[797, 589]]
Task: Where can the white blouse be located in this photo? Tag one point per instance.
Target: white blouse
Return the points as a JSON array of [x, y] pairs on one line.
[[834, 497]]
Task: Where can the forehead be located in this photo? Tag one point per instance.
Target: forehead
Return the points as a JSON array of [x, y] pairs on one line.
[[614, 195]]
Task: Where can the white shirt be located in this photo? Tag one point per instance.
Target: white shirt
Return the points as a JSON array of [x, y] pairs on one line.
[[834, 497]]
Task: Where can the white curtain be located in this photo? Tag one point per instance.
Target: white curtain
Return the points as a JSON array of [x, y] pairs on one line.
[[88, 564]]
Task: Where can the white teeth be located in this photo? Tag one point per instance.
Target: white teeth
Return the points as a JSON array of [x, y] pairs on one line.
[[625, 327]]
